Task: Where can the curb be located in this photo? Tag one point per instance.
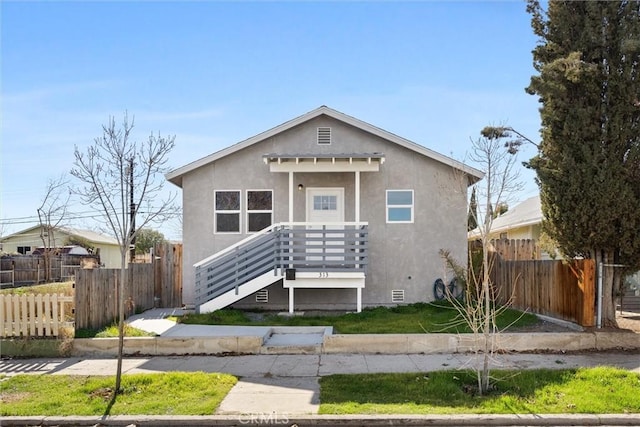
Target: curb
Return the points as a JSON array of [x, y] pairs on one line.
[[361, 343], [332, 420]]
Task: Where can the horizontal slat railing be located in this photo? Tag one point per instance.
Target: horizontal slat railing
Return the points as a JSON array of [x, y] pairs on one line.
[[335, 247], [340, 247], [233, 268]]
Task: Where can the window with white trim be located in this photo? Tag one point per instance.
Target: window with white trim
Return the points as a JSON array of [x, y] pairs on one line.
[[400, 206], [259, 210], [227, 211]]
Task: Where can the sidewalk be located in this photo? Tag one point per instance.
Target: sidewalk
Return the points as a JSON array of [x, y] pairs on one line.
[[288, 384], [284, 389]]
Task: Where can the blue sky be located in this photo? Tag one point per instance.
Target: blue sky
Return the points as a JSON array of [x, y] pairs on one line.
[[215, 73]]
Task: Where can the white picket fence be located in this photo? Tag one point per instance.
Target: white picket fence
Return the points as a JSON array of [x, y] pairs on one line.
[[34, 315]]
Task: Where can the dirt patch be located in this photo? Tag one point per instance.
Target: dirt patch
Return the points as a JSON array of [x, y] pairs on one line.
[[6, 398], [627, 321], [543, 326]]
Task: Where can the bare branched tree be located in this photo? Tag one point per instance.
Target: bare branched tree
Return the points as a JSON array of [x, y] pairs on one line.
[[123, 180], [478, 309], [51, 215]]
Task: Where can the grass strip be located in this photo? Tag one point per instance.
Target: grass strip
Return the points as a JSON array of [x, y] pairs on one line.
[[407, 319], [596, 390], [65, 288], [172, 393]]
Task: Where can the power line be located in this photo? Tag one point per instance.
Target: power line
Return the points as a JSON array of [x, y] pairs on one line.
[[30, 219], [70, 216]]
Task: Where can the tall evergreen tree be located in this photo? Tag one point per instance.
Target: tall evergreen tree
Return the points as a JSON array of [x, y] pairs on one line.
[[588, 164], [472, 216]]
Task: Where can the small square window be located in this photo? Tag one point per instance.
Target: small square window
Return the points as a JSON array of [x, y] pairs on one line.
[[325, 203], [400, 206]]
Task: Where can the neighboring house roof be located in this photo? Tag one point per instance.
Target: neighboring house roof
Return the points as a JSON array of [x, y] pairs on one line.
[[91, 236], [529, 212], [176, 175]]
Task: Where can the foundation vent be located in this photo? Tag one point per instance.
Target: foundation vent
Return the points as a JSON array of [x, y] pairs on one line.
[[262, 296], [397, 295]]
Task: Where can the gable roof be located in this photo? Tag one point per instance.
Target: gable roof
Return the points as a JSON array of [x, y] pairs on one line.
[[528, 212], [175, 176], [91, 236]]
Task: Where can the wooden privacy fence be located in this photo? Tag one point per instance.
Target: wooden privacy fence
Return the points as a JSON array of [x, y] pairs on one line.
[[21, 270], [34, 315], [516, 249], [167, 262], [157, 284], [562, 289]]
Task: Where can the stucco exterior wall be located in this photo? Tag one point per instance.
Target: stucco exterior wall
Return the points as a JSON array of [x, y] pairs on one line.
[[402, 256]]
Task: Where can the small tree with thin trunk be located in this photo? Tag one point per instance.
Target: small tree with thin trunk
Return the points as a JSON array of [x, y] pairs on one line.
[[51, 214], [478, 309], [123, 180]]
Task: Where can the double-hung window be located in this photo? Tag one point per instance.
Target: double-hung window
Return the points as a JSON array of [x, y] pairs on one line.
[[259, 210], [227, 211], [399, 206]]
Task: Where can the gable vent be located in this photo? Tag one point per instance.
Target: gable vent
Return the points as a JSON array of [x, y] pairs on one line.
[[324, 136], [262, 296], [397, 295]]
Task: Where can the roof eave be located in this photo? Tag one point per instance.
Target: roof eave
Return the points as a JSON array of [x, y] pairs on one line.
[[175, 176]]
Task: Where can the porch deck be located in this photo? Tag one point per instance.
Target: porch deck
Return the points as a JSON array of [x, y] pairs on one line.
[[309, 255]]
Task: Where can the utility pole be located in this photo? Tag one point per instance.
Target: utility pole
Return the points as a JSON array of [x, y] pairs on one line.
[[132, 213]]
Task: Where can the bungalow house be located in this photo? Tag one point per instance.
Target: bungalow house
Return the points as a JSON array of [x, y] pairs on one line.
[[27, 241], [523, 222], [323, 212]]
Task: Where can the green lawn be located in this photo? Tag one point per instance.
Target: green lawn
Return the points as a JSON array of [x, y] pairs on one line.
[[173, 393], [414, 318], [588, 390], [65, 288], [593, 390]]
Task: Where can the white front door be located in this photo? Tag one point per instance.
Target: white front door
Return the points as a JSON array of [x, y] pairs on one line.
[[325, 205]]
